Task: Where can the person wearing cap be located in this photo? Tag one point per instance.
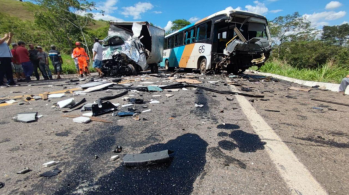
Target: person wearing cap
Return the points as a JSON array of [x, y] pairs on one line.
[[23, 56], [83, 59], [5, 59], [56, 60], [97, 57], [16, 65], [43, 63], [34, 59]]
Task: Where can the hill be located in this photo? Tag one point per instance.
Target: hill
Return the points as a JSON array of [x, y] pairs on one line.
[[25, 11]]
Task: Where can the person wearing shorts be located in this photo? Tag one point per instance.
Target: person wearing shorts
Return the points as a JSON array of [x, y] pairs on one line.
[[17, 67], [56, 60], [97, 57]]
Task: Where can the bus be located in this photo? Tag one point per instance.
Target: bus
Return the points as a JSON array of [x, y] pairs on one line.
[[231, 40]]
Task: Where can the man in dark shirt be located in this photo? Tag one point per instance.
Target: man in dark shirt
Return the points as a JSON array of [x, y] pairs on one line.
[[56, 60], [34, 59]]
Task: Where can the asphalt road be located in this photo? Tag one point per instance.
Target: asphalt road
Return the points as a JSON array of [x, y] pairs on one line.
[[219, 149]]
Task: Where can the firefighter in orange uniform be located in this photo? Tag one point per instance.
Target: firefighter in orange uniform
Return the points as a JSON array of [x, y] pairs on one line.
[[83, 59]]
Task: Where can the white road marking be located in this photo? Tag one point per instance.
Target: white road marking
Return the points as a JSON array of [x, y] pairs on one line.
[[294, 173]]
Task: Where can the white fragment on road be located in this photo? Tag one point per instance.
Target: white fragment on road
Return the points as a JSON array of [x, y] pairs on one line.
[[146, 83], [50, 164], [87, 114], [154, 101], [114, 158], [79, 93], [199, 105], [294, 173], [173, 90], [213, 82], [65, 103], [156, 95], [39, 116], [144, 111], [58, 95], [116, 104], [184, 89], [11, 101], [81, 119], [169, 95], [127, 105]]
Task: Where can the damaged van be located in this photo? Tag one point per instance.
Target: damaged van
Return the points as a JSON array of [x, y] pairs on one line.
[[131, 47], [232, 40]]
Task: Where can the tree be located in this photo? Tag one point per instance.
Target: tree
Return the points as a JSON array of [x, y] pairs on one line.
[[336, 34], [179, 23]]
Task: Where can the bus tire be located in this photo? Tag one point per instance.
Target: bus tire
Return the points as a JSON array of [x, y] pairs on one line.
[[167, 66], [154, 68], [202, 65]]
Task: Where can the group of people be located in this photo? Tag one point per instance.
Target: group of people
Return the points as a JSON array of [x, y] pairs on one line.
[[24, 62]]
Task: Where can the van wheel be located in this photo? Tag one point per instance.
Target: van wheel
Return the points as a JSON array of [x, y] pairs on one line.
[[154, 68], [202, 66], [167, 66], [132, 69]]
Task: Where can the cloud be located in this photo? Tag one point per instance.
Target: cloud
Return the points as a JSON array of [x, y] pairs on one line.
[[106, 17], [276, 11], [333, 5], [320, 19], [193, 19], [108, 6], [259, 8], [272, 0], [157, 12], [231, 8], [345, 22], [168, 26], [136, 10]]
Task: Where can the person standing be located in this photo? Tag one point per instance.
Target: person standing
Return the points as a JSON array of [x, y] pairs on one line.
[[344, 84], [34, 59], [23, 56], [16, 65], [43, 63], [83, 59], [56, 60], [5, 60], [75, 62], [97, 57]]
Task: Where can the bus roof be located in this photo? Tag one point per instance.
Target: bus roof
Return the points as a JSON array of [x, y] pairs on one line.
[[223, 12]]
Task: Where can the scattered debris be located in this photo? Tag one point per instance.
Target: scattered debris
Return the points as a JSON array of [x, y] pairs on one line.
[[315, 87], [118, 149], [81, 119], [184, 89], [136, 101], [92, 84], [92, 118], [24, 171], [105, 107], [88, 114], [156, 95], [154, 88], [246, 89], [96, 157], [169, 95], [144, 159], [66, 103], [50, 164], [299, 89], [291, 97], [58, 95], [79, 93], [127, 105], [2, 185], [154, 101], [114, 158], [51, 173], [230, 98], [213, 82], [272, 110], [99, 87], [26, 117], [265, 100], [122, 114], [331, 102], [189, 81], [199, 105], [136, 117], [144, 111]]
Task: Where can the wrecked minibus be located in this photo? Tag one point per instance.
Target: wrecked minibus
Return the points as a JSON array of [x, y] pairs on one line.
[[131, 47], [232, 40]]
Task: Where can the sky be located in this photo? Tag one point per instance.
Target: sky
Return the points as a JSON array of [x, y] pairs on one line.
[[162, 12]]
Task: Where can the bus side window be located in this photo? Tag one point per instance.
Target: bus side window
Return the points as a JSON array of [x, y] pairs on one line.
[[187, 38], [165, 44], [180, 39], [170, 42], [192, 37], [175, 40]]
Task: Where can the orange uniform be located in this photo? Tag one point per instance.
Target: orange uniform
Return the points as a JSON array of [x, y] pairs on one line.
[[82, 59]]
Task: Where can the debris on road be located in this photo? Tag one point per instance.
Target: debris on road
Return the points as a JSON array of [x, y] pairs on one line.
[[24, 171], [122, 114], [81, 119], [26, 117], [299, 89], [114, 158], [144, 111], [154, 101], [154, 88], [189, 81], [272, 110], [51, 173], [169, 95], [99, 87], [92, 118], [118, 149], [199, 105], [58, 95], [230, 98], [2, 185], [132, 160], [66, 103], [331, 102], [104, 108], [50, 164], [136, 117]]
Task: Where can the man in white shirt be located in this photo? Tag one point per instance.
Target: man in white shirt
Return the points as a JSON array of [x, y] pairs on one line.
[[97, 57]]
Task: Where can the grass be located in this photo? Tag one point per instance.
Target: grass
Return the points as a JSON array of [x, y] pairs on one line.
[[14, 8], [326, 73], [69, 65]]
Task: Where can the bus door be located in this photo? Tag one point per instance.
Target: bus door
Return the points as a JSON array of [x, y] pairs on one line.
[[189, 46]]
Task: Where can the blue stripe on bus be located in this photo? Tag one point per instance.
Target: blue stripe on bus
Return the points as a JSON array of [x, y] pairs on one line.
[[174, 57]]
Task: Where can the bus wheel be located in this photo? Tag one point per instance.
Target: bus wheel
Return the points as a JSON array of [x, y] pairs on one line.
[[167, 66], [202, 66], [154, 68]]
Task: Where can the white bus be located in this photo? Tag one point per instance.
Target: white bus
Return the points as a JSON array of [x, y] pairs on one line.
[[230, 39]]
